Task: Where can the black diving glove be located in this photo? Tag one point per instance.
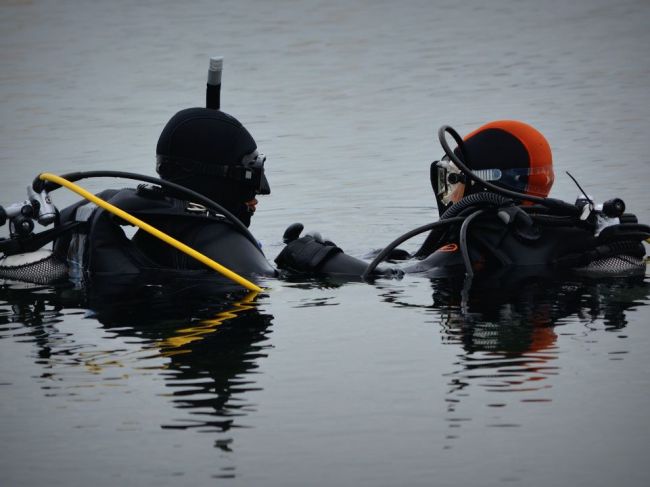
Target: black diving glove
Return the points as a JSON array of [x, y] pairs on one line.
[[305, 254]]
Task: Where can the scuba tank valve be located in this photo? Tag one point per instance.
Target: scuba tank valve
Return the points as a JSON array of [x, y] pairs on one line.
[[37, 206], [46, 210]]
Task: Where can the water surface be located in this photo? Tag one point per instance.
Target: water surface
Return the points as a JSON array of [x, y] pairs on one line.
[[327, 383]]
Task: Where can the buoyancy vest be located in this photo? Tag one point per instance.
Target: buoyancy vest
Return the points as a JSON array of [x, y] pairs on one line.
[[101, 247], [493, 245]]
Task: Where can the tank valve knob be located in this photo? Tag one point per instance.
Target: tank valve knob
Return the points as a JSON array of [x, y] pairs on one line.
[[614, 208]]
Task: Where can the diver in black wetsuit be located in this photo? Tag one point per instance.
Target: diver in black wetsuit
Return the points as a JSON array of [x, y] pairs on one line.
[[206, 151], [210, 152], [495, 215], [211, 174]]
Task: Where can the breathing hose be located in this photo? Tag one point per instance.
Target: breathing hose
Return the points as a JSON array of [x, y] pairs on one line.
[[463, 242], [403, 238], [40, 184], [457, 209]]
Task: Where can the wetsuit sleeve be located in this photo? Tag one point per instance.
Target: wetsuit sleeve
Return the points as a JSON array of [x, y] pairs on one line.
[[344, 264]]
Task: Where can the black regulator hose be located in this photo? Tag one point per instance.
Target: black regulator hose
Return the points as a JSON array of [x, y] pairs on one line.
[[403, 238], [464, 248], [483, 199], [39, 185], [552, 203]]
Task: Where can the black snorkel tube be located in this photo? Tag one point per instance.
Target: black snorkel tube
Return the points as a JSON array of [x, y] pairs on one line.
[[213, 88]]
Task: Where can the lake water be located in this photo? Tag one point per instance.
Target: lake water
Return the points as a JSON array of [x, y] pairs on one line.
[[326, 383]]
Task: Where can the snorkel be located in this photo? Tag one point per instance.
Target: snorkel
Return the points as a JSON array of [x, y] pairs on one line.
[[213, 87]]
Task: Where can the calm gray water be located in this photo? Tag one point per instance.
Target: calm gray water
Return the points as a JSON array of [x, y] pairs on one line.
[[324, 383]]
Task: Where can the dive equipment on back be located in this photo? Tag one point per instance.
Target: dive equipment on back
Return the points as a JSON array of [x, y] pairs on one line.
[[154, 231], [23, 239], [522, 229]]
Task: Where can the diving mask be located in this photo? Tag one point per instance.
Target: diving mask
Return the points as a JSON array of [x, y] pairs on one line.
[[450, 181], [249, 171]]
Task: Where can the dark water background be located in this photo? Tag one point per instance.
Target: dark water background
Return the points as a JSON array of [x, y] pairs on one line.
[[323, 383]]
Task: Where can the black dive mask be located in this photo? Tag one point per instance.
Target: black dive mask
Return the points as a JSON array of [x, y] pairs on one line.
[[250, 171]]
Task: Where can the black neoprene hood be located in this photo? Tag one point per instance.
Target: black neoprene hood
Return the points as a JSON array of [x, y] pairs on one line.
[[195, 149], [207, 136]]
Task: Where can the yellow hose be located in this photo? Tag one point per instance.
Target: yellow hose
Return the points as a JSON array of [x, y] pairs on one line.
[[152, 230]]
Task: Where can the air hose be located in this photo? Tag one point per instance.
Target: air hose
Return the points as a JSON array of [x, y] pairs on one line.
[[403, 238], [484, 199], [464, 248], [454, 214], [173, 188]]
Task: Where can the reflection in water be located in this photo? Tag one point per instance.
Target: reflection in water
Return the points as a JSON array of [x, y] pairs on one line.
[[204, 344], [508, 333]]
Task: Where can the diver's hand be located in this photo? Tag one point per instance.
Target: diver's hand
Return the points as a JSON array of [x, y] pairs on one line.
[[305, 254]]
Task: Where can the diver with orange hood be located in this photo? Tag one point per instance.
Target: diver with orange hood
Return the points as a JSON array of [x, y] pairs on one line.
[[495, 216]]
